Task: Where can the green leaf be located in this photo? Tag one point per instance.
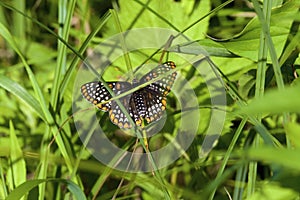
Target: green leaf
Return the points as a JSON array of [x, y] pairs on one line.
[[164, 14], [234, 68], [246, 83], [288, 158], [272, 190], [247, 42], [24, 95], [275, 102], [293, 129], [29, 185]]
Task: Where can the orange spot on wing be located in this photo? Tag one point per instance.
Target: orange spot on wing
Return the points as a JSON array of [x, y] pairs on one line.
[[138, 122], [126, 125]]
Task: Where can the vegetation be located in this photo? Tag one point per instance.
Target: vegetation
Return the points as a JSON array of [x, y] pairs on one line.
[[232, 114]]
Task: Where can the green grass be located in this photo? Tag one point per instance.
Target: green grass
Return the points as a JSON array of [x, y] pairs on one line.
[[251, 48]]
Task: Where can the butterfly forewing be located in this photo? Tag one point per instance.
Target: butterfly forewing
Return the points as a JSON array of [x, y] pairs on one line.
[[164, 83], [96, 93], [156, 92]]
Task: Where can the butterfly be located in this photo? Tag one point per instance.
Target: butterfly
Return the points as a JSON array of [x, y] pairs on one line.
[[147, 103]]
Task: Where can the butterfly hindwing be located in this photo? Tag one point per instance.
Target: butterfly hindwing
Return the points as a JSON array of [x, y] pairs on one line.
[[117, 116], [155, 106]]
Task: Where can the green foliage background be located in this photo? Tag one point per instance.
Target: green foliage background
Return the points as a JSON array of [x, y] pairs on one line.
[[253, 44]]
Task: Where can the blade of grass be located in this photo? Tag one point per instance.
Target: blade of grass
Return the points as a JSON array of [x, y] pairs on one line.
[[122, 40], [262, 130], [70, 70], [16, 89], [238, 182], [253, 170], [18, 166], [228, 152], [187, 28], [3, 189], [66, 10], [18, 20], [2, 18], [30, 184], [216, 182], [108, 170], [49, 120], [292, 46], [65, 13], [259, 90], [262, 58], [288, 158], [230, 88], [273, 55], [45, 28]]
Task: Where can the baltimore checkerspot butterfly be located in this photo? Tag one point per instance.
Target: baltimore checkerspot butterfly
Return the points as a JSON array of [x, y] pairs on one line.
[[147, 103]]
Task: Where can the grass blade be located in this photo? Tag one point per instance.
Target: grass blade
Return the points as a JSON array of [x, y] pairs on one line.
[[24, 95], [29, 185], [17, 172]]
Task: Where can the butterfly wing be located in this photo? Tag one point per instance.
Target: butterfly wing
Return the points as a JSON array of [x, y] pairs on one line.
[[116, 115], [155, 105], [146, 103], [138, 106], [165, 82], [96, 93], [155, 93]]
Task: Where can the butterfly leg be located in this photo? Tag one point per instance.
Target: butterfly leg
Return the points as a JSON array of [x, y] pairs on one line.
[[167, 45]]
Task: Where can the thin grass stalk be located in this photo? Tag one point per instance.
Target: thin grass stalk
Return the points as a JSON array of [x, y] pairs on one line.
[[228, 152], [259, 91], [65, 14], [40, 97], [238, 186], [273, 54], [71, 69], [3, 189], [19, 21], [123, 44]]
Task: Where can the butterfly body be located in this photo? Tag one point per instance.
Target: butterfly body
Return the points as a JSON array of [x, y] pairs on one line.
[[147, 103]]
